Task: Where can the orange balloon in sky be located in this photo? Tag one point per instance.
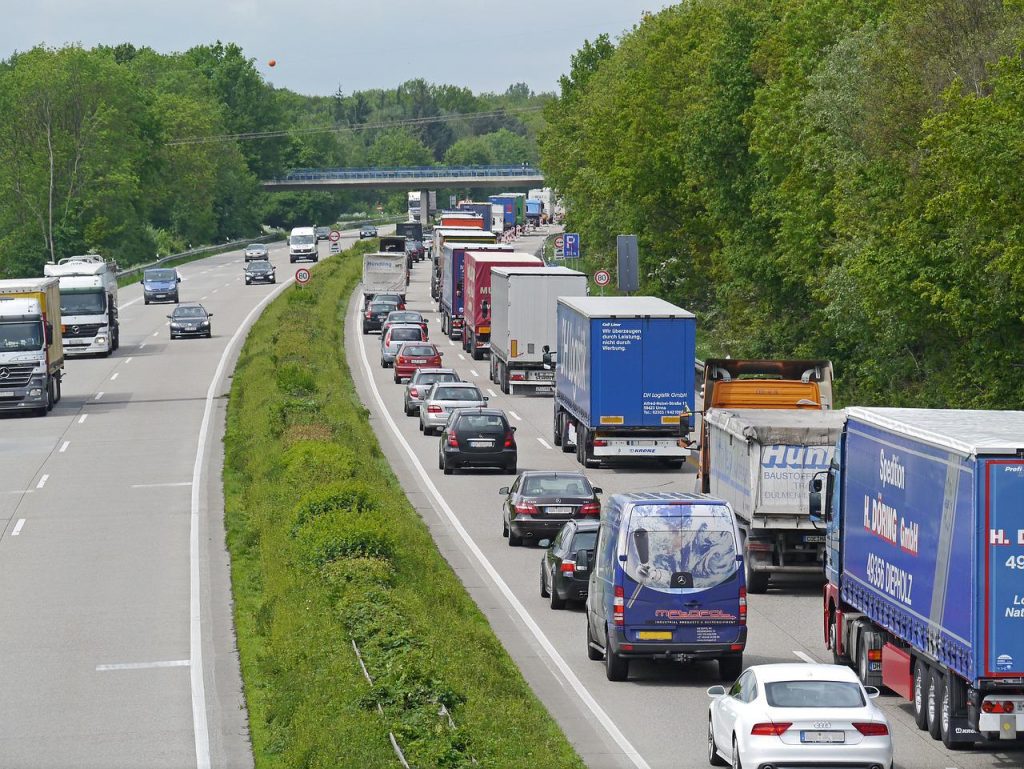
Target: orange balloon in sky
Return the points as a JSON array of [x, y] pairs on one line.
[[272, 62]]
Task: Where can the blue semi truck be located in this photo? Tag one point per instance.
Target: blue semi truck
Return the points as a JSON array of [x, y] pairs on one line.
[[923, 511], [624, 378]]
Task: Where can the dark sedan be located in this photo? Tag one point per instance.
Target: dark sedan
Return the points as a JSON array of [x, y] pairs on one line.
[[477, 438], [541, 501], [260, 271], [190, 320], [565, 567], [367, 231], [375, 315]]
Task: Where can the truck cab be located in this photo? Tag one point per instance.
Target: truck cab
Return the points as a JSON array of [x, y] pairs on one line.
[[88, 299]]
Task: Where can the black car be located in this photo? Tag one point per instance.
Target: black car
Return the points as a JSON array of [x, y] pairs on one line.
[[397, 299], [322, 233], [566, 565], [260, 271], [190, 320], [367, 231], [541, 501], [375, 315], [477, 437]]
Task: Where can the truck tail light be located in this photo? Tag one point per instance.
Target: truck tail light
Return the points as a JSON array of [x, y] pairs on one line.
[[432, 409], [600, 442], [759, 547], [770, 729], [991, 706], [453, 441], [517, 377], [872, 729], [591, 508], [568, 567], [743, 606], [618, 612], [526, 508], [510, 440], [875, 655]]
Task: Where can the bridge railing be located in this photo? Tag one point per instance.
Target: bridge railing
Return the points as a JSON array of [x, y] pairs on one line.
[[419, 172]]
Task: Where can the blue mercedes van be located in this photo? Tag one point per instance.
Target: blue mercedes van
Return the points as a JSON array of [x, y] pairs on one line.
[[667, 583], [160, 284]]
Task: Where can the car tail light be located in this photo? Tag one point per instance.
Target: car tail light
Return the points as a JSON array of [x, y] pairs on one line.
[[770, 729], [369, 315], [991, 706], [526, 508], [591, 508], [567, 567], [400, 359], [453, 441], [414, 392], [432, 409], [510, 441], [872, 729], [618, 612], [600, 442], [743, 606]]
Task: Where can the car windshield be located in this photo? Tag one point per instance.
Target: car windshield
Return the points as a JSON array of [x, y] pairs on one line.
[[405, 334], [83, 303], [161, 275], [301, 240], [813, 694], [458, 394], [256, 247], [689, 546], [584, 540], [189, 312], [21, 336], [556, 485], [483, 422]]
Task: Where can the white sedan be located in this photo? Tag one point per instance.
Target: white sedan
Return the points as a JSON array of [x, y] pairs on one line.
[[797, 714]]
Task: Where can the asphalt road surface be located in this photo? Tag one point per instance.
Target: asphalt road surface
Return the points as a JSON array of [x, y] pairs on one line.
[[658, 718]]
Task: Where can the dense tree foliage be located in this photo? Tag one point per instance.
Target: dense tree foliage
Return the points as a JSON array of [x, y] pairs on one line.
[[130, 153], [830, 178]]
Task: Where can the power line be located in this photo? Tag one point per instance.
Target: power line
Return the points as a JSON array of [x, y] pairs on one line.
[[251, 135]]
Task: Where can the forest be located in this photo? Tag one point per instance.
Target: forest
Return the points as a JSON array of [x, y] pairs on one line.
[[131, 153], [816, 178]]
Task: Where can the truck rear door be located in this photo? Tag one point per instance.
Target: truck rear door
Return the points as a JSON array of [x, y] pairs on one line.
[[1004, 568]]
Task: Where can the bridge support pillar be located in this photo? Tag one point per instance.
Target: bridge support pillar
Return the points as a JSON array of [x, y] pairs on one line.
[[425, 210]]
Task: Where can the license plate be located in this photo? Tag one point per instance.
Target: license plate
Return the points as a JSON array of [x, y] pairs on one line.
[[481, 444], [418, 361], [655, 635], [823, 737], [6, 393], [558, 510], [814, 537]]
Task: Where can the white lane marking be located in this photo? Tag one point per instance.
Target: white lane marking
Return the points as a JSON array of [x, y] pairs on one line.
[[805, 657], [200, 724], [515, 415], [461, 356], [114, 376], [42, 481], [99, 395], [143, 665], [544, 443], [492, 393], [17, 527], [83, 418], [143, 345], [451, 342], [204, 297], [215, 291], [157, 333], [64, 447], [204, 272], [159, 485], [129, 304], [227, 285], [570, 677], [18, 491], [127, 361], [471, 371]]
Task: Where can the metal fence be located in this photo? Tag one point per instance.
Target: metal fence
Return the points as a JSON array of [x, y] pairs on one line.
[[417, 172], [138, 268]]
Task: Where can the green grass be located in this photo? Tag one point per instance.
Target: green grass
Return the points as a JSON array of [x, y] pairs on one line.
[[326, 549]]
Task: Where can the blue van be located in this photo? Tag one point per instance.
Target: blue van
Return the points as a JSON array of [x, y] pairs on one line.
[[160, 284], [667, 583]]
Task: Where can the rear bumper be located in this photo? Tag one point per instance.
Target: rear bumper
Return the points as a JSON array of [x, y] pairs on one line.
[[639, 447], [482, 459], [537, 529], [675, 651], [779, 755], [160, 296]]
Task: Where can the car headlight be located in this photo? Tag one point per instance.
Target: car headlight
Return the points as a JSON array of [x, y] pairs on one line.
[[175, 325], [204, 324]]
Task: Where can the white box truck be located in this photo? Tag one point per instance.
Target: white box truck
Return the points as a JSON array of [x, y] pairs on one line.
[[761, 462], [384, 273], [88, 304], [524, 306], [31, 353]]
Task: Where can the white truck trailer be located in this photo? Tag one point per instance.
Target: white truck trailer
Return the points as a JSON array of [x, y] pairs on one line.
[[385, 273], [88, 304], [760, 462], [524, 307]]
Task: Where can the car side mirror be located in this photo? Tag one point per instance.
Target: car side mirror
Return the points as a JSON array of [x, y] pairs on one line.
[[486, 399], [513, 428], [503, 490], [209, 315], [177, 279], [545, 543], [872, 691], [598, 490], [169, 317], [643, 547], [716, 691]]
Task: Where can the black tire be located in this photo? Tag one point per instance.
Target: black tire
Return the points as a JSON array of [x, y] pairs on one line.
[[477, 353], [51, 396], [504, 533], [946, 717], [248, 282], [757, 581], [503, 377], [554, 600], [567, 447], [861, 660], [616, 667], [445, 468], [736, 763], [398, 379], [543, 585], [409, 412], [730, 668], [59, 388], [511, 469], [557, 432], [713, 758], [440, 462], [514, 540], [935, 687], [922, 680], [592, 653], [145, 301]]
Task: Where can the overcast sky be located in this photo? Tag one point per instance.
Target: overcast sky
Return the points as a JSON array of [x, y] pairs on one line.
[[485, 45]]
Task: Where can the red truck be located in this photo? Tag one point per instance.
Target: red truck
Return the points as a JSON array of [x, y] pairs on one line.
[[476, 334]]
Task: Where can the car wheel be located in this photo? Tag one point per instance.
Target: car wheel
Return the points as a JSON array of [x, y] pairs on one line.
[[365, 331], [209, 334], [511, 468], [616, 667], [248, 282], [713, 758], [422, 430], [554, 600], [934, 698], [440, 462], [543, 584], [514, 540], [145, 301], [592, 652], [397, 378], [729, 668], [408, 411], [921, 683], [504, 533]]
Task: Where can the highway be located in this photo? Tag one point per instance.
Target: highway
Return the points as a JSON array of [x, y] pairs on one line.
[[657, 719], [117, 634]]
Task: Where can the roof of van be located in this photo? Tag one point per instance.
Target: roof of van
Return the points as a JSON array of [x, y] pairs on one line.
[[966, 431]]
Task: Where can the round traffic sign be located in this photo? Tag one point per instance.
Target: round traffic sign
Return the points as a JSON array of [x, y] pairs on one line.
[[302, 276], [559, 241], [602, 277], [335, 236]]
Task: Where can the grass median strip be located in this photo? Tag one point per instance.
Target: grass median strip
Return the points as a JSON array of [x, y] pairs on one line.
[[327, 550]]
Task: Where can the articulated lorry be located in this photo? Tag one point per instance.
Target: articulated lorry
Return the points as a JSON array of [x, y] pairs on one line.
[[482, 210], [462, 219], [385, 273], [412, 230], [925, 563], [524, 305], [451, 305], [476, 327], [31, 349], [761, 461], [88, 304], [442, 235], [508, 208], [624, 380]]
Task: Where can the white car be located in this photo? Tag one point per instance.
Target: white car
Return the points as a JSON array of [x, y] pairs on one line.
[[797, 714]]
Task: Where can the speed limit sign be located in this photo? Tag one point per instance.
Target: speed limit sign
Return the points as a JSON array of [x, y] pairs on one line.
[[302, 276], [602, 278], [334, 237]]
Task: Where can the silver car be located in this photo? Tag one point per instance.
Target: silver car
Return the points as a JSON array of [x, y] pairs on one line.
[[256, 251], [397, 335], [445, 397], [420, 382]]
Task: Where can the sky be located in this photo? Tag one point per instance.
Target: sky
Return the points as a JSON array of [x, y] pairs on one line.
[[321, 45]]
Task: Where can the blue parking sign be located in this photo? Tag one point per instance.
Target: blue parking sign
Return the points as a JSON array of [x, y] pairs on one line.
[[572, 245]]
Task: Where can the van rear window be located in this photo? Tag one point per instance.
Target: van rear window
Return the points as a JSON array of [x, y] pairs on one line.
[[688, 546]]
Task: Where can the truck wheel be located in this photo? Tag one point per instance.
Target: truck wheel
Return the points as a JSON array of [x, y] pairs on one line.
[[921, 683], [616, 667], [503, 377], [833, 641], [757, 581], [444, 324], [567, 446], [51, 395], [477, 353], [946, 717], [58, 388], [729, 668], [491, 368], [557, 439], [935, 688]]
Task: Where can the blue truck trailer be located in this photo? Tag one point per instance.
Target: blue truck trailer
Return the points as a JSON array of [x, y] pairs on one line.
[[624, 378], [508, 203], [480, 209], [923, 511]]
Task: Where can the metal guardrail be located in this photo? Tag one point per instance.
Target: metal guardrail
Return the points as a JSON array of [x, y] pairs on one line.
[[194, 252], [417, 172]]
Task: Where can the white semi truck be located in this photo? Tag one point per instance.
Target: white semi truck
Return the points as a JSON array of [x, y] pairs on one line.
[[88, 304]]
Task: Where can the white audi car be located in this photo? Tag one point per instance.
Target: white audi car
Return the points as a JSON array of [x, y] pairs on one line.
[[796, 714]]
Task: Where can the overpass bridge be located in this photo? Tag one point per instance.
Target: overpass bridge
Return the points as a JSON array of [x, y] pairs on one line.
[[395, 179]]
